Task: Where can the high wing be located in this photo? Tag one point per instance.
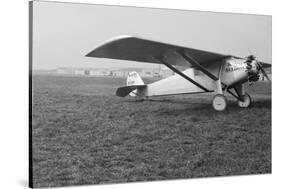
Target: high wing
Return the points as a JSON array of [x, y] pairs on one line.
[[148, 51], [143, 50]]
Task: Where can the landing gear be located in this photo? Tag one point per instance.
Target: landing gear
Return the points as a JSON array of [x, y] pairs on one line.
[[219, 102], [244, 99], [246, 102]]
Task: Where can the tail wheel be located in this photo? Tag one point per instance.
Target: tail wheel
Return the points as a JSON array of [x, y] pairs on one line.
[[219, 102], [246, 101]]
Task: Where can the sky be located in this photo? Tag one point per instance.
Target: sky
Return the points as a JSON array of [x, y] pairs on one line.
[[63, 33]]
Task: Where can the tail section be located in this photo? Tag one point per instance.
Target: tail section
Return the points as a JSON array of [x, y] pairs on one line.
[[135, 86]]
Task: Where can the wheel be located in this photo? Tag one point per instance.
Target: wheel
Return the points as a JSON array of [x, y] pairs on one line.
[[246, 101], [219, 102]]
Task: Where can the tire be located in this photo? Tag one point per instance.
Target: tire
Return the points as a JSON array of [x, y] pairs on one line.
[[219, 102], [246, 101]]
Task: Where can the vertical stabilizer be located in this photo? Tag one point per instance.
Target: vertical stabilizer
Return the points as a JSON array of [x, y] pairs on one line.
[[134, 79]]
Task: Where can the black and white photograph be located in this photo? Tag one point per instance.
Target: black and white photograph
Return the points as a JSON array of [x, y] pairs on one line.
[[122, 94]]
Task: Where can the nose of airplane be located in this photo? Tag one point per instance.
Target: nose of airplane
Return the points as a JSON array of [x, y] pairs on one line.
[[254, 68]]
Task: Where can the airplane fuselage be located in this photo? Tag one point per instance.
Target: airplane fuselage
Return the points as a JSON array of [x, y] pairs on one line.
[[232, 72]]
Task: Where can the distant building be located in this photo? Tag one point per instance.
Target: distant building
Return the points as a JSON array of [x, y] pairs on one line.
[[79, 72], [100, 73], [146, 73], [60, 71], [166, 73], [64, 70], [95, 73], [149, 73], [119, 73]]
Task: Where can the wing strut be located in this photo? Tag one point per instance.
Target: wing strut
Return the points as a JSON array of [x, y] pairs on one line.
[[197, 65], [161, 59]]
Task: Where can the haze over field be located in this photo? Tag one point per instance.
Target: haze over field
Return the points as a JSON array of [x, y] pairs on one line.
[[65, 32]]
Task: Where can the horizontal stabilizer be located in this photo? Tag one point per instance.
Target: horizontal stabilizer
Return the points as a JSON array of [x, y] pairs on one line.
[[124, 91]]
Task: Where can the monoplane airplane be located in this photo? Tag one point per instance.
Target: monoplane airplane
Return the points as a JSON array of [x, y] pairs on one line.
[[206, 71]]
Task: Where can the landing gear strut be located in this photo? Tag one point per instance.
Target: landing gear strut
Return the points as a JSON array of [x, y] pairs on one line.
[[244, 99]]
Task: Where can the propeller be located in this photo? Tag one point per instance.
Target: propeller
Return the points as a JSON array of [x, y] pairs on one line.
[[263, 71], [253, 72]]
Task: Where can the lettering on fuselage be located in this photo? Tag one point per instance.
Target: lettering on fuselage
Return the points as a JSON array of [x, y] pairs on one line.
[[235, 72], [234, 67]]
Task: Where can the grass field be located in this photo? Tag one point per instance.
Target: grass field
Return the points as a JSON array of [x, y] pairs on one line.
[[84, 134]]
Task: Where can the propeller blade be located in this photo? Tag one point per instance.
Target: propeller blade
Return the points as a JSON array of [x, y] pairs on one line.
[[265, 74]]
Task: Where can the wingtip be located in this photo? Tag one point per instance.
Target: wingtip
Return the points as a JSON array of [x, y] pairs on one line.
[[91, 53], [88, 54]]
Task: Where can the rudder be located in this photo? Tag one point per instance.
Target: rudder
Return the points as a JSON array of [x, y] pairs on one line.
[[134, 79]]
